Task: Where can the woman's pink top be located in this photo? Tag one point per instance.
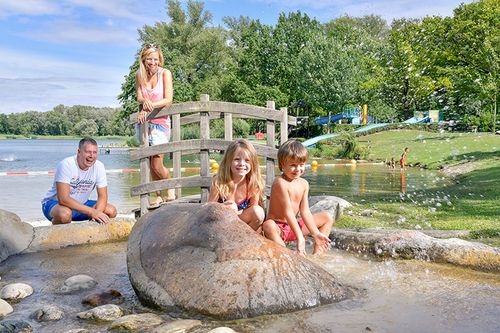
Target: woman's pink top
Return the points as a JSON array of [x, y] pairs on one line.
[[156, 94]]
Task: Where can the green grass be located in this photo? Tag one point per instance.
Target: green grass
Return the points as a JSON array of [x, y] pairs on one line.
[[470, 202], [60, 137]]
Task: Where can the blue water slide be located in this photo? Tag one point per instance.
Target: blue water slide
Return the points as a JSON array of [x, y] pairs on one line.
[[312, 141], [334, 118]]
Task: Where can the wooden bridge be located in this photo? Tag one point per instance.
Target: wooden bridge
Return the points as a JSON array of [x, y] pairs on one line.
[[203, 112]]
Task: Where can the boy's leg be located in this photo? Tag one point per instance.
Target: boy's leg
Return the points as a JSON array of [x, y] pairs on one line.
[[253, 216], [324, 223], [272, 232]]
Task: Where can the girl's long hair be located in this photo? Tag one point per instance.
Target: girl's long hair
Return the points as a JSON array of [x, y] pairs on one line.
[[146, 52], [223, 181]]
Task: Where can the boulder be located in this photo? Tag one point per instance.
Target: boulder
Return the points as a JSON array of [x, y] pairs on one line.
[[48, 313], [203, 259], [5, 308], [334, 205], [411, 244], [16, 291], [15, 235]]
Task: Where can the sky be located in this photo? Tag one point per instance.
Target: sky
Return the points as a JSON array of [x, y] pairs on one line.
[[78, 51]]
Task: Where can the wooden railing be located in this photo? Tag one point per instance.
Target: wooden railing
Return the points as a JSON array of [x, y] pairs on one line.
[[202, 112]]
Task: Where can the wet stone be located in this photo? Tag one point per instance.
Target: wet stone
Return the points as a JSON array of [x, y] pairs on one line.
[[107, 312], [78, 330], [78, 282], [16, 291], [177, 326], [15, 326], [136, 322], [109, 296], [48, 313], [5, 308], [222, 330]]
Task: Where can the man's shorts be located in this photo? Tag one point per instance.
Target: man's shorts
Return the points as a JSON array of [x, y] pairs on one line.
[[287, 234], [157, 134], [76, 215]]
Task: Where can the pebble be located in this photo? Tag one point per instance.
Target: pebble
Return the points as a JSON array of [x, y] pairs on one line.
[[16, 291], [5, 308], [48, 313], [15, 326], [78, 282], [107, 312], [177, 326], [136, 322], [222, 330], [109, 296]]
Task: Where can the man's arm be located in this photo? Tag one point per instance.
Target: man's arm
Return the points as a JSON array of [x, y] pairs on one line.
[[64, 198]]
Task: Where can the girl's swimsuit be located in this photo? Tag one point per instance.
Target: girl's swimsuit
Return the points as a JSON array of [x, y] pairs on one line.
[[242, 204]]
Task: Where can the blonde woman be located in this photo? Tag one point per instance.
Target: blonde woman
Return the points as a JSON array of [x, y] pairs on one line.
[[155, 90]]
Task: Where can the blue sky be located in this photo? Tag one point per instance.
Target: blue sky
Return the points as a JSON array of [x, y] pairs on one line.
[[78, 51]]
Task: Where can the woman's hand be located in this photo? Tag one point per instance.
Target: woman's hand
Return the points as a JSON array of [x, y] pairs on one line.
[[141, 117], [147, 105]]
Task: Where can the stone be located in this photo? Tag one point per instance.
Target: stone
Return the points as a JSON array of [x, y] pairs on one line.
[[5, 308], [222, 330], [78, 282], [78, 330], [48, 313], [334, 205], [16, 291], [15, 326], [107, 312], [136, 322], [412, 244], [177, 326], [109, 296], [203, 259], [15, 235]]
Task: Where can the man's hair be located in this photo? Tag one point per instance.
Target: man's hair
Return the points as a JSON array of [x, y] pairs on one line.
[[84, 141], [292, 151]]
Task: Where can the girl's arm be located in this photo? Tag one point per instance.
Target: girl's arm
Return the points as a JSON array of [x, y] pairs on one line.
[[214, 194]]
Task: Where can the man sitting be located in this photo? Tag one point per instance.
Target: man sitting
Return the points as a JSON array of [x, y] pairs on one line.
[[75, 178]]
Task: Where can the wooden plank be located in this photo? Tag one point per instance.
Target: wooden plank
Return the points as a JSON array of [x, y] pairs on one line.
[[204, 135], [176, 163], [228, 127], [284, 126], [145, 167], [158, 185], [270, 164]]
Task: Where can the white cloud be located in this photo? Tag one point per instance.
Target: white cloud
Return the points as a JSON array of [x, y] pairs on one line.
[[64, 32], [115, 8], [54, 81], [29, 7]]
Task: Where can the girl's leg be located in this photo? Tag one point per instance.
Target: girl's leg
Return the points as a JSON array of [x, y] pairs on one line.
[[272, 232], [253, 216]]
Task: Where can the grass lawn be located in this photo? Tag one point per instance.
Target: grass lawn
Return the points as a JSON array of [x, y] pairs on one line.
[[471, 202], [60, 137]]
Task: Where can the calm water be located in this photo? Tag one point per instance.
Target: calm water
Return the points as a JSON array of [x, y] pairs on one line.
[[21, 194]]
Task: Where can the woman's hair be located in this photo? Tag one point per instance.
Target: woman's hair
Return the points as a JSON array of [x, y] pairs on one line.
[[223, 181], [292, 151], [146, 51]]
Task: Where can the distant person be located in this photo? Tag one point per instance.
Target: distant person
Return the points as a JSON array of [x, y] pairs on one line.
[[154, 89], [392, 163], [238, 183], [289, 197], [75, 179], [402, 161]]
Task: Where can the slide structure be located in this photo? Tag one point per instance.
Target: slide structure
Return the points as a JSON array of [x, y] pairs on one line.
[[309, 143], [334, 118]]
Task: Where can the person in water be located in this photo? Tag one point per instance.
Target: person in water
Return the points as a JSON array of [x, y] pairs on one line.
[[74, 180], [402, 161], [238, 183]]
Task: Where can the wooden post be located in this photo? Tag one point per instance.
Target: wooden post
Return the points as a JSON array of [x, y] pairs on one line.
[[228, 126], [145, 166], [284, 126], [270, 163], [176, 136], [204, 134]]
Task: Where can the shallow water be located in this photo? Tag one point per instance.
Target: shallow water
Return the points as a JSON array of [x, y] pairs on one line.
[[389, 296]]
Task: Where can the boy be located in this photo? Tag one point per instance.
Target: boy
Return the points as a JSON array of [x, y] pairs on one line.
[[289, 196]]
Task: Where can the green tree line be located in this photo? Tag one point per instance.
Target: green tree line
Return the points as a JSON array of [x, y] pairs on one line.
[[313, 68], [63, 120]]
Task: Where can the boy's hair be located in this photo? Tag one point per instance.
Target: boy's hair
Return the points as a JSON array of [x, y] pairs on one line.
[[223, 181], [292, 150]]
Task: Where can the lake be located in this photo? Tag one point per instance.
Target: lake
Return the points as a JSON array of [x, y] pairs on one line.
[[21, 194]]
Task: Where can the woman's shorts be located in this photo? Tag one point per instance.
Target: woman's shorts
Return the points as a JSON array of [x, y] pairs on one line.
[[157, 134]]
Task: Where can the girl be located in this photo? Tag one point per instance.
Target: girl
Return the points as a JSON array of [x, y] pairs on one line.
[[155, 90], [402, 161], [238, 183]]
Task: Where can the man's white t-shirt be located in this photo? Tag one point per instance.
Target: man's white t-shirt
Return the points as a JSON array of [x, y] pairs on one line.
[[82, 182]]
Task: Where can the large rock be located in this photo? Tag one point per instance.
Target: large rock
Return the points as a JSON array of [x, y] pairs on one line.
[[334, 205], [15, 235], [411, 244], [202, 258]]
